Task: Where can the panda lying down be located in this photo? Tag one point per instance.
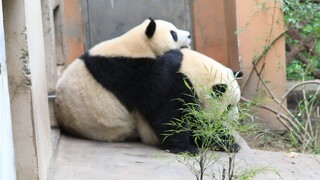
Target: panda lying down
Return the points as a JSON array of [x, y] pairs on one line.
[[124, 88]]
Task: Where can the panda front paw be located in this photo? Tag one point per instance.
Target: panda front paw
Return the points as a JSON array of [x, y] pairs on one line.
[[234, 148], [174, 52], [173, 56], [192, 150]]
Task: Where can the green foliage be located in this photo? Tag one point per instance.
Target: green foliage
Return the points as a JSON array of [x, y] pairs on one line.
[[305, 17], [297, 70], [307, 121], [204, 160], [294, 142], [211, 125], [252, 172], [317, 151]]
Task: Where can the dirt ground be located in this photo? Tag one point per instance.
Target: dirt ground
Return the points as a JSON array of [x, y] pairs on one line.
[[279, 141], [270, 141]]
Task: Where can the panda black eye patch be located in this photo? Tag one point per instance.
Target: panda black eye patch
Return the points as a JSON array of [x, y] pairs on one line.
[[174, 35], [229, 107], [219, 89]]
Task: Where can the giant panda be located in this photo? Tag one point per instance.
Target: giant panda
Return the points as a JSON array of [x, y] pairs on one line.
[[148, 89], [88, 100], [201, 73], [128, 84]]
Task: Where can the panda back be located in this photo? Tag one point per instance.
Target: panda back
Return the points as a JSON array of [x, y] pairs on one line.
[[81, 107]]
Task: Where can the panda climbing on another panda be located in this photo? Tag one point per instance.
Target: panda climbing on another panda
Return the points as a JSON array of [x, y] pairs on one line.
[[124, 87], [200, 72], [87, 101]]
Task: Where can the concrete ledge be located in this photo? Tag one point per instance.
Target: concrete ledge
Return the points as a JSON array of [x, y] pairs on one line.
[[83, 159]]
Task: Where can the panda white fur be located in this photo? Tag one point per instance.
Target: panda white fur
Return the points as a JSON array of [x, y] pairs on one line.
[[87, 107], [202, 72]]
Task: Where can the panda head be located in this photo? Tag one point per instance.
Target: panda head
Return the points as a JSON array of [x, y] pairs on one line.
[[149, 39], [228, 93], [163, 36], [214, 83]]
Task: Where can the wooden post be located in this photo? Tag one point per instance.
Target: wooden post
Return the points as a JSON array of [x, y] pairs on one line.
[[258, 27], [73, 30], [214, 29]]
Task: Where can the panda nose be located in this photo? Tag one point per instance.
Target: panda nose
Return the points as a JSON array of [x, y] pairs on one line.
[[189, 35]]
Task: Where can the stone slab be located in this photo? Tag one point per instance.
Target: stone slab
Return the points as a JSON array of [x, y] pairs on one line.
[[81, 159]]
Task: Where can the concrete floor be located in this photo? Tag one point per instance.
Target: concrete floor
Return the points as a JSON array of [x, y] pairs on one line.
[[81, 159]]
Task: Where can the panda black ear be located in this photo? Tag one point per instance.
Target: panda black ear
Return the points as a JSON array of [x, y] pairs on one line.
[[151, 28], [219, 89], [237, 74]]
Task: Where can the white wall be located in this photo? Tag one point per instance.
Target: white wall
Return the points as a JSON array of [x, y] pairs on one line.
[[27, 88], [35, 43], [7, 166]]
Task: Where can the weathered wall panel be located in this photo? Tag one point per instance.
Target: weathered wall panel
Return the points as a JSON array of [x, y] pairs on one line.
[[108, 19]]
